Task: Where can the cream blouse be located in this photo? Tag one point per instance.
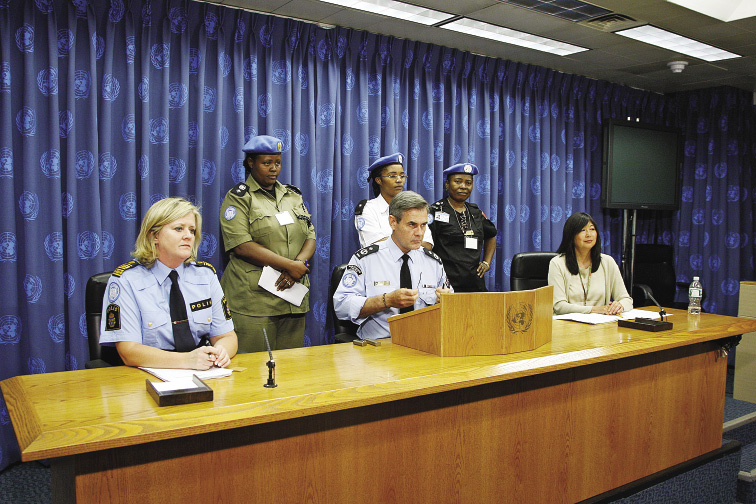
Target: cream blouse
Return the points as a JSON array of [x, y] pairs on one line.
[[578, 293]]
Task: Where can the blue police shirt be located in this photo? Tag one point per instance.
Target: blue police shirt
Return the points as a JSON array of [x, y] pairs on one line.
[[374, 271], [136, 304]]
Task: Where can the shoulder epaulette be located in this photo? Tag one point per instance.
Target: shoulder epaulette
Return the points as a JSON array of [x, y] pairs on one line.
[[293, 188], [360, 206], [123, 267], [432, 255], [366, 251], [240, 189], [438, 205], [206, 265]]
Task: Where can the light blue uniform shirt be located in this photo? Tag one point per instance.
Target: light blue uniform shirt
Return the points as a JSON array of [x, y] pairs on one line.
[[136, 305], [374, 271]]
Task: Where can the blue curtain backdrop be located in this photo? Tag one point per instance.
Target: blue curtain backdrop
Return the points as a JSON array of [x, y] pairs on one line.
[[107, 107]]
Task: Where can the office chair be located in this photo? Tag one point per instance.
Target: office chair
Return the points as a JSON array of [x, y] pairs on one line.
[[99, 356], [345, 331], [530, 270], [655, 267]]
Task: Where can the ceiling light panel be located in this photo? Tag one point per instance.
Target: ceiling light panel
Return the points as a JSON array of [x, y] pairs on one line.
[[677, 43], [572, 10], [395, 9], [514, 37], [724, 10]]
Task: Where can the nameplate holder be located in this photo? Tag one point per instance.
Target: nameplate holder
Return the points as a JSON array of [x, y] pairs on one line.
[[645, 324], [165, 394]]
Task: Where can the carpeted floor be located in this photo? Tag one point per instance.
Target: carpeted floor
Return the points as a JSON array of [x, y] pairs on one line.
[[27, 483]]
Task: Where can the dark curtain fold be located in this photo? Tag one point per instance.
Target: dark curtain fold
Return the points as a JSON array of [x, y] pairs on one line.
[[106, 108]]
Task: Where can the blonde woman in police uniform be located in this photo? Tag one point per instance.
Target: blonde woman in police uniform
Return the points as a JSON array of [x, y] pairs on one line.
[[265, 223], [136, 316]]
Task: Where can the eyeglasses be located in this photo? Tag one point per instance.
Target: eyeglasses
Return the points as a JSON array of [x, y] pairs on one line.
[[395, 176]]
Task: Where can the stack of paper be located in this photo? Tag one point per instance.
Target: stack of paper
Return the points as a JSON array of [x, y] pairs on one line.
[[170, 375], [598, 318]]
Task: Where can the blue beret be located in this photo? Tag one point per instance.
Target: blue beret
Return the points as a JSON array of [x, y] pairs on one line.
[[466, 168], [263, 144], [396, 158]]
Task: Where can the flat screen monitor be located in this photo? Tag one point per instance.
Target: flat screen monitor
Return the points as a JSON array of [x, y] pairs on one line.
[[641, 166]]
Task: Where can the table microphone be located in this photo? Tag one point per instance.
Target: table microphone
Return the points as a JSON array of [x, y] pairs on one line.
[[647, 292], [271, 365]]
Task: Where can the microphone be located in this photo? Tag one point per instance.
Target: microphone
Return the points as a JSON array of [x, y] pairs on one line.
[[647, 292], [271, 365]]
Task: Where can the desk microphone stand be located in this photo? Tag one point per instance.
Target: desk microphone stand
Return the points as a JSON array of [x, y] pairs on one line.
[[271, 365]]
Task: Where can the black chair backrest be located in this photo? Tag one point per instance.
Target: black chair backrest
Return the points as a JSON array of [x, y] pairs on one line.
[[530, 270], [94, 294], [344, 330], [655, 267]]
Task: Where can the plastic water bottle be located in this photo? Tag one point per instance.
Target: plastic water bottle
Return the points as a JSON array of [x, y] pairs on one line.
[[695, 292]]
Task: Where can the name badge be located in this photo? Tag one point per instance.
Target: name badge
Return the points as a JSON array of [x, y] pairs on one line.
[[442, 216], [471, 243], [381, 283], [284, 218]]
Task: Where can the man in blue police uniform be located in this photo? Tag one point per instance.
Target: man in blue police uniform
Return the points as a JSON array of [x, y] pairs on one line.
[[371, 216], [392, 276]]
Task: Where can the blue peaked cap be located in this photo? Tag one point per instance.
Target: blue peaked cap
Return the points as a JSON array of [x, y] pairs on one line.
[[466, 168], [263, 144], [396, 158]]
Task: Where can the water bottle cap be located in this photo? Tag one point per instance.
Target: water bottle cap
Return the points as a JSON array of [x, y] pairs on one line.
[[695, 278]]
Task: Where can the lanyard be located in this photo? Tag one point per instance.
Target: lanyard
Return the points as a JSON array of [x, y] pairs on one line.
[[587, 286], [464, 221]]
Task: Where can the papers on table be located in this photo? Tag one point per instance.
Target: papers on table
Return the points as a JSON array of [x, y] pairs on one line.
[[176, 375], [588, 318], [598, 318], [294, 294]]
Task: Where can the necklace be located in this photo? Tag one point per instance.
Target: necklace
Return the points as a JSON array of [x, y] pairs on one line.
[[462, 219]]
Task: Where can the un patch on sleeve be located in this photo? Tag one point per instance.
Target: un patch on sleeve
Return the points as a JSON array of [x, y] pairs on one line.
[[349, 280], [113, 317], [230, 213], [114, 290]]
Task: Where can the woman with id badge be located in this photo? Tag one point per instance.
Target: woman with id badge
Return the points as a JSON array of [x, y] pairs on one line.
[[265, 223], [584, 279], [462, 232]]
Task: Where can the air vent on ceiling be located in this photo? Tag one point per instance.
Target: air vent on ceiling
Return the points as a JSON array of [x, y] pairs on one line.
[[612, 22]]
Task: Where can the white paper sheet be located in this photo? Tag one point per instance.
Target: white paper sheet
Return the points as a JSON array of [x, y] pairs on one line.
[[599, 318], [294, 294], [171, 375], [588, 318], [632, 314], [171, 386]]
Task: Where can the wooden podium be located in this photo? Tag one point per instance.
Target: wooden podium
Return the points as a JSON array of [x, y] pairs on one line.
[[478, 323]]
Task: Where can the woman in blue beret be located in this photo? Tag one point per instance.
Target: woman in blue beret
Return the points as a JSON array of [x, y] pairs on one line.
[[371, 216], [461, 231], [265, 223]]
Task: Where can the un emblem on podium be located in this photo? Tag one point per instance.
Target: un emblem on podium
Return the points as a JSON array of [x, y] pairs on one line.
[[519, 317]]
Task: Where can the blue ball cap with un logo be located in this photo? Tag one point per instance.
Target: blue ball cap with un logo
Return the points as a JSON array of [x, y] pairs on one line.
[[263, 144], [466, 168], [396, 158]]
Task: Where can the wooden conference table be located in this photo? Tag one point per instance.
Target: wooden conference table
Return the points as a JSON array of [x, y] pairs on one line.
[[598, 407]]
